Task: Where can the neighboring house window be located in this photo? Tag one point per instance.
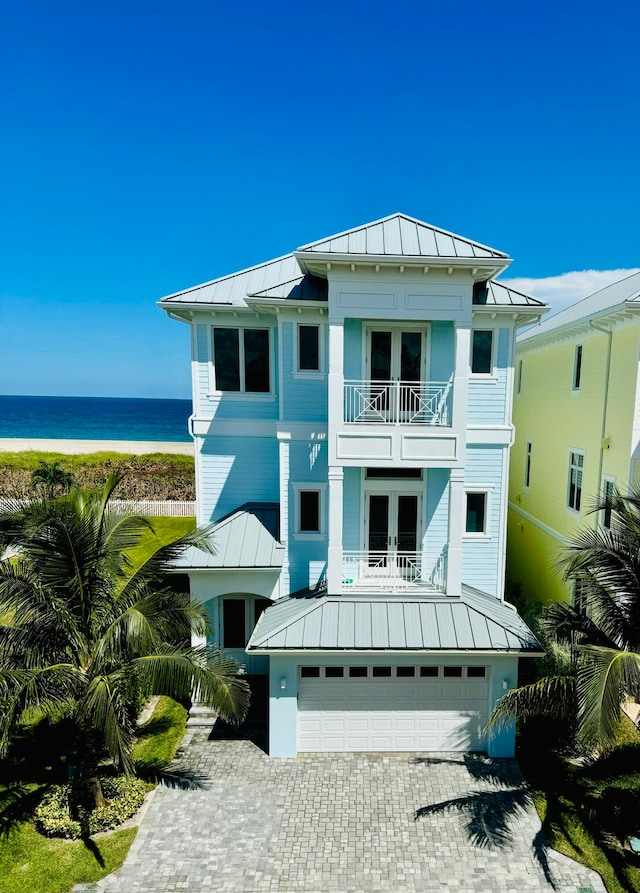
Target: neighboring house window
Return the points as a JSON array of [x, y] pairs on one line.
[[527, 466], [481, 353], [580, 596], [576, 465], [519, 387], [608, 486], [476, 518], [308, 348], [577, 367], [241, 360]]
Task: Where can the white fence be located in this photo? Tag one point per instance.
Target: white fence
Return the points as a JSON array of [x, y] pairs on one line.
[[171, 508]]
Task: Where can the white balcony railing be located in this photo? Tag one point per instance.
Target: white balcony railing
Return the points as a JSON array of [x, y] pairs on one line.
[[398, 402], [390, 572]]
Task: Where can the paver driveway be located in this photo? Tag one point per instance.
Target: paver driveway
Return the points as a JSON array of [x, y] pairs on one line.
[[339, 823]]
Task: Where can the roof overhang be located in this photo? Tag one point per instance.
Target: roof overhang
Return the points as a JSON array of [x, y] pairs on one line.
[[622, 314], [319, 263]]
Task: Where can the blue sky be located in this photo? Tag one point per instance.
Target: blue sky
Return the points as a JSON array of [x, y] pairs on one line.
[[146, 147]]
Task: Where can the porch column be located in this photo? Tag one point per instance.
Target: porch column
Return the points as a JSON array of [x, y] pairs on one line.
[[335, 384], [334, 557], [456, 530], [461, 379]]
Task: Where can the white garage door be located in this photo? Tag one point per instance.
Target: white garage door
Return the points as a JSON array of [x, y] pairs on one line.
[[436, 708]]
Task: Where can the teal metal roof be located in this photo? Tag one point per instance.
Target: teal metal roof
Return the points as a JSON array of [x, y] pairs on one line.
[[474, 621], [248, 537]]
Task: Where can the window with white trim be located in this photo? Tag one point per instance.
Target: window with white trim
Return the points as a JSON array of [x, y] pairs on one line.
[[242, 360], [608, 488], [308, 348], [482, 351], [308, 510], [574, 493], [527, 465], [477, 513], [577, 367]]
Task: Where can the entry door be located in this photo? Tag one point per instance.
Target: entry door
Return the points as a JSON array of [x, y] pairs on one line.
[[239, 617], [392, 526], [396, 355]]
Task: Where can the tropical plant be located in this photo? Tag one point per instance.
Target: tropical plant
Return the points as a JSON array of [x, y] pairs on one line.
[[51, 479], [596, 642], [82, 631]]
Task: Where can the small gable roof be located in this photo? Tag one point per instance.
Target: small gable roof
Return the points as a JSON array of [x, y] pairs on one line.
[[400, 235], [248, 537], [474, 621]]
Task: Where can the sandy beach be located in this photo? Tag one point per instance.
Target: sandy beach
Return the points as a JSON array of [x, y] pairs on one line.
[[74, 447]]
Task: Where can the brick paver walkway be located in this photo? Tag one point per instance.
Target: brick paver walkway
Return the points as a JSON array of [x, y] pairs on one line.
[[343, 823]]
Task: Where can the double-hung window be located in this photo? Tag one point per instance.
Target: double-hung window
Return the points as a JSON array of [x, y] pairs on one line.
[[477, 515], [482, 352], [576, 465], [308, 506], [608, 487], [308, 348], [241, 359]]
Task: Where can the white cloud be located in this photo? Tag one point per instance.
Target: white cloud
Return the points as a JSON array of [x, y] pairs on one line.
[[568, 288]]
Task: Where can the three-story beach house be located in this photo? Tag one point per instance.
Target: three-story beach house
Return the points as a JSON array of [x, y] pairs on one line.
[[352, 427]]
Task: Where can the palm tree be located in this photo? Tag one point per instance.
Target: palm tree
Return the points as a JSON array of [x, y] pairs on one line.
[[51, 478], [598, 641], [82, 630]]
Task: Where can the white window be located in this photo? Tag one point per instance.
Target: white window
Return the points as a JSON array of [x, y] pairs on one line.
[[577, 367], [574, 493], [242, 360], [527, 465], [482, 352], [608, 487], [308, 517], [308, 349], [477, 512]]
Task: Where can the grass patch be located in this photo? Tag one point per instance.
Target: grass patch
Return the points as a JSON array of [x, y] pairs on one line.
[[580, 806], [165, 531], [160, 737], [29, 862], [29, 459]]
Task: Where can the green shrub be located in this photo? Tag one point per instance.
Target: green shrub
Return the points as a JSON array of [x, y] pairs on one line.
[[124, 795]]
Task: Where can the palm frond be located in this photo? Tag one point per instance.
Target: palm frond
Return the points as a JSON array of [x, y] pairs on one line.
[[552, 696], [606, 678], [105, 706]]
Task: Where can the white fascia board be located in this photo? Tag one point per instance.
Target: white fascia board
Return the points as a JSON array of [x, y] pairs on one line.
[[273, 305], [488, 267], [609, 316], [359, 652]]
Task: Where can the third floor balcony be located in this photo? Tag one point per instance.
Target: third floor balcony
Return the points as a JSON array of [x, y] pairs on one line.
[[398, 402]]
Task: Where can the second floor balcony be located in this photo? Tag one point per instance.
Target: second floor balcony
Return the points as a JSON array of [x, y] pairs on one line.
[[391, 571], [398, 402]]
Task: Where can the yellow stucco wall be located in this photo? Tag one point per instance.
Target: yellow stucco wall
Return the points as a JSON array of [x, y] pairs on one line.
[[557, 419]]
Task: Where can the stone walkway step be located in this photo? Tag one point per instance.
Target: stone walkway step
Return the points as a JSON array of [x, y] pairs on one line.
[[201, 717]]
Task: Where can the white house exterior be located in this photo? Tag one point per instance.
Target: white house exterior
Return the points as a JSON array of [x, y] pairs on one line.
[[352, 427]]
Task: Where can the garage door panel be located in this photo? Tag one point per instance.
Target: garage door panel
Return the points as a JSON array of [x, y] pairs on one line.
[[398, 714]]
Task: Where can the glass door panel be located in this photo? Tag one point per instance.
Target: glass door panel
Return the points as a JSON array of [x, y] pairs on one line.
[[378, 522], [407, 523]]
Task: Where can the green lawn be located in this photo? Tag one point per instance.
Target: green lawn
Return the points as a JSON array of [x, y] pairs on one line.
[[571, 801], [30, 863]]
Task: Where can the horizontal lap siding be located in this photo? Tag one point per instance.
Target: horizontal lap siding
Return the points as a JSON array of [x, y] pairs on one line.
[[353, 349], [307, 557], [352, 502], [481, 557], [442, 359], [202, 368], [304, 399], [235, 470], [487, 400], [436, 517]]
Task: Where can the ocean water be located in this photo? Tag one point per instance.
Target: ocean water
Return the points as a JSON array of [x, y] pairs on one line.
[[95, 418]]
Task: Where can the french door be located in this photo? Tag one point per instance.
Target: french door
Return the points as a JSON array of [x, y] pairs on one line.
[[395, 368], [392, 522]]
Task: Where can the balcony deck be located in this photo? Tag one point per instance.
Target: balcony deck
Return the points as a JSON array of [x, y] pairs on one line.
[[398, 402], [392, 571]]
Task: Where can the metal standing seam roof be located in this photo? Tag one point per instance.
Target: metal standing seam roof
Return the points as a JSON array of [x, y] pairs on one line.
[[623, 292], [500, 294], [474, 621], [398, 235], [248, 537]]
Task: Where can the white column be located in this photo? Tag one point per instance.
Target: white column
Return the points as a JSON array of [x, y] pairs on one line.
[[334, 557], [335, 384], [461, 379], [456, 530], [284, 441]]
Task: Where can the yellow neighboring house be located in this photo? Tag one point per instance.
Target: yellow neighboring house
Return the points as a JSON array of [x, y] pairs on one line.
[[577, 420]]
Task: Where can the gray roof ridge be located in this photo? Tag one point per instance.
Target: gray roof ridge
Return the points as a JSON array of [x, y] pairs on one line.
[[227, 276], [510, 623], [408, 217]]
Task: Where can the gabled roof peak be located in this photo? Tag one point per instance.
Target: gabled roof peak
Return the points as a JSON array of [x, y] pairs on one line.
[[401, 235]]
